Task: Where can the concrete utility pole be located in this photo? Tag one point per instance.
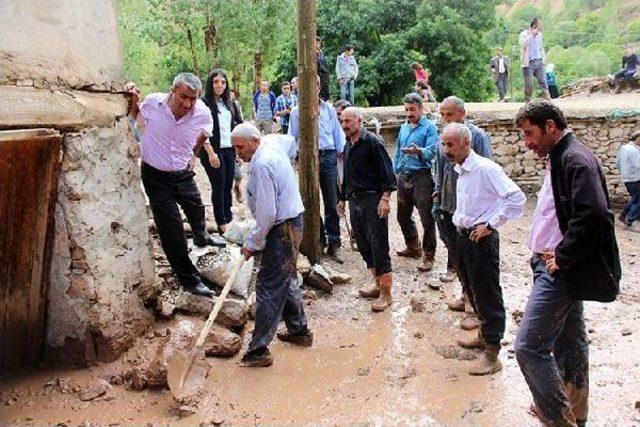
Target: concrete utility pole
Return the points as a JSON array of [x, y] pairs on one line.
[[308, 121]]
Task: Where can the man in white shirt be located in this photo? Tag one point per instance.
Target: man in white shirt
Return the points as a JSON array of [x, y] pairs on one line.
[[485, 199], [274, 199], [629, 165]]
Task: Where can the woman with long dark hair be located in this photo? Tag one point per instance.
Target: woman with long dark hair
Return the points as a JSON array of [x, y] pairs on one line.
[[225, 117]]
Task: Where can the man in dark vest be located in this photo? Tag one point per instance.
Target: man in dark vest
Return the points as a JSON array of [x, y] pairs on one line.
[[575, 258]]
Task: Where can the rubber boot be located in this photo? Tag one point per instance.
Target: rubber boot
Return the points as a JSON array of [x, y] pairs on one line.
[[427, 261], [413, 249], [489, 364], [374, 291], [384, 300]]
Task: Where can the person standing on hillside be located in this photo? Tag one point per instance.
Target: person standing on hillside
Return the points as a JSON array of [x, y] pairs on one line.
[[264, 104], [629, 166], [500, 73], [575, 258], [629, 68], [532, 59], [284, 104], [347, 73]]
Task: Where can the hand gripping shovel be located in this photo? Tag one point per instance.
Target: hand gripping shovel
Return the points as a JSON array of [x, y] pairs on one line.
[[183, 377]]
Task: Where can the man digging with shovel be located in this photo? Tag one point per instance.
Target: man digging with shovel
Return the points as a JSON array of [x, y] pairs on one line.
[[275, 203]]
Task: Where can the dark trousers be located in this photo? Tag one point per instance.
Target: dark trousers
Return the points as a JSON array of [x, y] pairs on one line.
[[625, 74], [552, 348], [221, 180], [371, 232], [501, 83], [328, 179], [167, 190], [278, 294], [479, 273], [553, 91], [324, 86], [535, 69], [284, 129], [632, 209], [449, 237], [414, 190]]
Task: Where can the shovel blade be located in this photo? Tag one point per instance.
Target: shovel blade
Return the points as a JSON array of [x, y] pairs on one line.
[[185, 377]]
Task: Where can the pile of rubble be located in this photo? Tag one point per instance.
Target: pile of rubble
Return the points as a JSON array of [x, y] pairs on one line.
[[606, 84]]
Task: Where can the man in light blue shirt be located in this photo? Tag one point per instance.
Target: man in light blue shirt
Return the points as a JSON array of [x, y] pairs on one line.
[[629, 165], [274, 199], [533, 51], [331, 142], [415, 150]]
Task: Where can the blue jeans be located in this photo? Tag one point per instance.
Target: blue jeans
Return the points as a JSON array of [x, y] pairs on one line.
[[347, 86], [552, 349], [278, 294], [328, 179], [632, 209]]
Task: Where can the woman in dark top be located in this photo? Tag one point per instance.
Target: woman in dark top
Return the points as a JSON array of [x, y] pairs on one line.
[[225, 117]]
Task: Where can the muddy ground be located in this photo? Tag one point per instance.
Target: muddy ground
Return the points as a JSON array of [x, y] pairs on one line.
[[369, 369]]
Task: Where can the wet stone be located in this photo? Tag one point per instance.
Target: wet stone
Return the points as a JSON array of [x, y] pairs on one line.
[[455, 352], [95, 389], [222, 343], [418, 304], [320, 278]]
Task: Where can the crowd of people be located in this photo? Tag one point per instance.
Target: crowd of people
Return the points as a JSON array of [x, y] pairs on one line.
[[444, 171]]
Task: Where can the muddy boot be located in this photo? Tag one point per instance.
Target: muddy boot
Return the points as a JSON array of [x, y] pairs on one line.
[[470, 323], [471, 343], [384, 300], [489, 364], [374, 291], [456, 305], [238, 193], [304, 340], [449, 276], [257, 359], [413, 250], [427, 261]]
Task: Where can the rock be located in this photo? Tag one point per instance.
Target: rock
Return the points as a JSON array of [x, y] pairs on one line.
[[517, 316], [222, 343], [232, 314], [434, 285], [626, 331], [320, 278], [165, 307], [238, 230], [216, 268], [455, 352], [303, 265], [418, 335], [251, 302], [309, 294], [418, 304], [95, 389]]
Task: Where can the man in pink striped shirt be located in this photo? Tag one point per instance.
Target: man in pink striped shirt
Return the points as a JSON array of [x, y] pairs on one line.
[[176, 125]]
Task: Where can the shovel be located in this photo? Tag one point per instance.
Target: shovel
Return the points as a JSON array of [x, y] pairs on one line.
[[185, 377]]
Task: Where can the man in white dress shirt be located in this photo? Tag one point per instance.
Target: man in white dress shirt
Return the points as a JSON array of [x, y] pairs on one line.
[[485, 199], [275, 202]]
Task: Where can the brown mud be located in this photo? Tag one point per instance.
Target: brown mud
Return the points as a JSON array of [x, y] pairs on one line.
[[394, 368]]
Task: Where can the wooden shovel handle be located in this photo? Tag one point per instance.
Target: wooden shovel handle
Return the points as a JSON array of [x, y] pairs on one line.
[[218, 305]]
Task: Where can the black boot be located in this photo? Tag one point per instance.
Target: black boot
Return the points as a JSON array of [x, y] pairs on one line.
[[199, 288]]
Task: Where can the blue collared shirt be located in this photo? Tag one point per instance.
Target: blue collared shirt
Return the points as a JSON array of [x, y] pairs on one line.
[[535, 47], [330, 134], [273, 195], [425, 137]]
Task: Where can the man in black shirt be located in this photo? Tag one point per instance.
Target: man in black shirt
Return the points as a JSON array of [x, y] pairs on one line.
[[367, 185], [629, 65]]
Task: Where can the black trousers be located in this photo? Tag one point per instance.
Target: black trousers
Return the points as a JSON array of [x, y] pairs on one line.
[[479, 273], [371, 231], [221, 180], [415, 190], [324, 86], [167, 190], [449, 237]]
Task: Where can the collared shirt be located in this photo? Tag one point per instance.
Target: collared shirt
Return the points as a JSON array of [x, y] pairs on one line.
[[224, 120], [535, 47], [167, 143], [425, 136], [445, 177], [367, 167], [501, 68], [330, 134], [285, 103], [273, 195], [346, 67], [485, 194], [629, 162], [545, 231], [286, 143]]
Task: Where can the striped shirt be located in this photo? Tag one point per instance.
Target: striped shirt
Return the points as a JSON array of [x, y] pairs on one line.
[[167, 143]]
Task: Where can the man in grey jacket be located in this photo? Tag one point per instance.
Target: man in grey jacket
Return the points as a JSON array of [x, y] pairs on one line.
[[500, 72]]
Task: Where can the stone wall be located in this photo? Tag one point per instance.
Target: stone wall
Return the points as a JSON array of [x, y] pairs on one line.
[[61, 68], [592, 126]]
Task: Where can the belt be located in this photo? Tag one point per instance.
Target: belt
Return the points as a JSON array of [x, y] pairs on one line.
[[327, 151], [165, 173], [356, 194], [415, 172]]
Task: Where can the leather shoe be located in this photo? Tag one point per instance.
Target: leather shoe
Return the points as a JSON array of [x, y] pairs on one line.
[[334, 253], [211, 241], [199, 289]]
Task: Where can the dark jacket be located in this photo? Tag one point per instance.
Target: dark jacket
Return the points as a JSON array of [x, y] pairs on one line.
[[495, 65], [588, 253], [236, 119]]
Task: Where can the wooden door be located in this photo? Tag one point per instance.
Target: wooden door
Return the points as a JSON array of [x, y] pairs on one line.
[[29, 164]]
